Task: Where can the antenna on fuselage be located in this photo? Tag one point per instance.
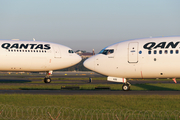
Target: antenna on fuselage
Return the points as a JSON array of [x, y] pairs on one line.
[[34, 39]]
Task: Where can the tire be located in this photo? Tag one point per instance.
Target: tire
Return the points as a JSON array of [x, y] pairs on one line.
[[47, 80], [125, 87]]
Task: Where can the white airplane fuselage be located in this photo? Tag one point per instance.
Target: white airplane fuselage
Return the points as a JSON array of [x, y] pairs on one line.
[[35, 56], [139, 58]]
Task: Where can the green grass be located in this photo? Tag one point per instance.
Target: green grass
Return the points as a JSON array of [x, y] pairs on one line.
[[133, 102], [23, 106], [100, 102]]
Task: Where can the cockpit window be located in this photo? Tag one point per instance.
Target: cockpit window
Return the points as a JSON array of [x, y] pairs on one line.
[[70, 51], [106, 51]]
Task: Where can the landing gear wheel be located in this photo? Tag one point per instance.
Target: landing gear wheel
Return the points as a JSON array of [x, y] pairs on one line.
[[126, 87], [47, 80]]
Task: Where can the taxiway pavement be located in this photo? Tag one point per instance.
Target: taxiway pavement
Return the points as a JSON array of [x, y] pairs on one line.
[[28, 79]]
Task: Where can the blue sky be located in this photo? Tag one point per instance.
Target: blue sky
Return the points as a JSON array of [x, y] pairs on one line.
[[88, 24]]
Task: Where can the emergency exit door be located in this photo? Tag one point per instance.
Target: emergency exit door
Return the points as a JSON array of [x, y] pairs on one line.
[[133, 52]]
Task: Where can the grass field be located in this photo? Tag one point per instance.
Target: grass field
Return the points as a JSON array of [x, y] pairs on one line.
[[133, 102], [22, 106]]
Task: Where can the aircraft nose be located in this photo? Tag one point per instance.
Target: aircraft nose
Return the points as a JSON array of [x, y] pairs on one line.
[[78, 59], [89, 63]]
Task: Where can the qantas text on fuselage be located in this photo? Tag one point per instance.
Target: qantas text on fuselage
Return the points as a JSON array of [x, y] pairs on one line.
[[25, 46], [153, 45]]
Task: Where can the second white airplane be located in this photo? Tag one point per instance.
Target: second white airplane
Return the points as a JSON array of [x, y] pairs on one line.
[[35, 56], [138, 58]]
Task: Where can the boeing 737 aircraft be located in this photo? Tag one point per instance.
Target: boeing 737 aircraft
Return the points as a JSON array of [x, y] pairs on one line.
[[33, 56], [138, 58]]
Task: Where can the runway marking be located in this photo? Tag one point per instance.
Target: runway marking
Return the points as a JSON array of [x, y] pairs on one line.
[[82, 74]]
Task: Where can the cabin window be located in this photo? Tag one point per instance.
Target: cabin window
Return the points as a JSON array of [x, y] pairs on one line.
[[107, 51], [140, 52], [177, 51], [166, 52], [160, 51], [155, 51], [171, 51], [70, 51], [149, 52]]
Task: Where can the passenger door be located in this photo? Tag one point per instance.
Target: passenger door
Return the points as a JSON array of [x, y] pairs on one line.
[[133, 52]]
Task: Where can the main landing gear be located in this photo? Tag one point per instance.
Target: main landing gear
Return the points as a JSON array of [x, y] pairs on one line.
[[126, 86], [47, 78]]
